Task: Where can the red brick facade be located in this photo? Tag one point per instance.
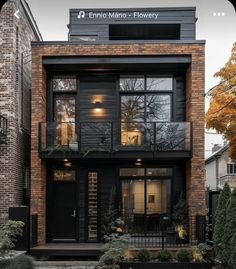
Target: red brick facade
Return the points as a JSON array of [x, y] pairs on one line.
[[194, 108], [15, 37]]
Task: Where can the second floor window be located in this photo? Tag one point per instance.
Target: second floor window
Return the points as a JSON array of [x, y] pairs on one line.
[[144, 100], [64, 99]]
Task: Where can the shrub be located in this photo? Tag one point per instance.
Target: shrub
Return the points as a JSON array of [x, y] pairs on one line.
[[232, 258], [220, 222], [20, 262], [8, 235], [228, 241], [144, 255], [116, 246], [184, 255], [200, 251], [164, 255]]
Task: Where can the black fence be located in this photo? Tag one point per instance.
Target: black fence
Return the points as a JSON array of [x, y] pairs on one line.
[[162, 232]]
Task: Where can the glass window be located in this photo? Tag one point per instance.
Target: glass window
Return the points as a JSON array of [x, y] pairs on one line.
[[159, 171], [64, 108], [158, 108], [132, 108], [132, 83], [63, 84], [64, 175], [134, 172], [159, 84], [231, 168]]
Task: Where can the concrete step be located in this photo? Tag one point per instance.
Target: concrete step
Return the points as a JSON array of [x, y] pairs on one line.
[[65, 264]]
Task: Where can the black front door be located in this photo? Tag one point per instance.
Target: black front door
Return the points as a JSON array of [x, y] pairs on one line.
[[62, 207]]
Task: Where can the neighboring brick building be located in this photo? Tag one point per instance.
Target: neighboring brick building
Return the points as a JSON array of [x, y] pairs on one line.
[[119, 106], [15, 90]]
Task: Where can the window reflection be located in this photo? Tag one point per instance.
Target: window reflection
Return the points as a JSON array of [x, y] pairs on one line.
[[132, 83], [138, 111], [159, 84], [158, 108], [63, 84]]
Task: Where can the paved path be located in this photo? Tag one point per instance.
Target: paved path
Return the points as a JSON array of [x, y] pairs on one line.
[[65, 265]]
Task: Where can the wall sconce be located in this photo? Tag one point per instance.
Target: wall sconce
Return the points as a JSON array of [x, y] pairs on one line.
[[98, 106]]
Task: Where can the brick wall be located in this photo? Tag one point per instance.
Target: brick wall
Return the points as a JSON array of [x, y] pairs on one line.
[[195, 112], [15, 37]]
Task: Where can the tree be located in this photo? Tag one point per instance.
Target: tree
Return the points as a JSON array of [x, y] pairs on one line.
[[228, 241], [220, 221], [222, 110]]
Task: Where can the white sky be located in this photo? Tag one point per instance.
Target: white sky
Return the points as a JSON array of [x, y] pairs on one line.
[[52, 17]]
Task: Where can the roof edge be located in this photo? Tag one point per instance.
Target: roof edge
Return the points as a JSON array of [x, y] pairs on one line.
[[31, 20]]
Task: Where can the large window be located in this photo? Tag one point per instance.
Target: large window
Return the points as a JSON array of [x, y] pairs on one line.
[[146, 195], [144, 101], [64, 93]]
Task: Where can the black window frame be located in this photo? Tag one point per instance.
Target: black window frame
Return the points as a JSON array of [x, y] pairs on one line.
[[145, 93], [145, 178]]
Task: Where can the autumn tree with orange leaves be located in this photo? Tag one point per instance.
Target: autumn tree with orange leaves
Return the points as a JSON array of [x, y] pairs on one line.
[[221, 114]]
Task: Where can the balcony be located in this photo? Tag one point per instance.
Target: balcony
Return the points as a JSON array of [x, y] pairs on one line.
[[3, 130], [230, 179], [86, 138]]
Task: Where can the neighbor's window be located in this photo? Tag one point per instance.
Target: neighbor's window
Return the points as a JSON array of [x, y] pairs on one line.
[[231, 168]]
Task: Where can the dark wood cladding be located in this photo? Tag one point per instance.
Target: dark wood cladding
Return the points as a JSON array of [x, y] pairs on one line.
[[179, 100], [102, 89], [97, 27]]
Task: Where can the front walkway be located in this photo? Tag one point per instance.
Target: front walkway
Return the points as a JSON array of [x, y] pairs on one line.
[[65, 264]]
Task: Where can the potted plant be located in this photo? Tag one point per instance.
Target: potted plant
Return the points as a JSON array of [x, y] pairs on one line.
[[8, 257]]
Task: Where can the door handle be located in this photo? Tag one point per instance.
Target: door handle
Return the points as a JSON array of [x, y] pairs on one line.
[[74, 214]]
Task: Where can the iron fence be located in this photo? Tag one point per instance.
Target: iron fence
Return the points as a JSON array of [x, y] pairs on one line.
[[162, 232]]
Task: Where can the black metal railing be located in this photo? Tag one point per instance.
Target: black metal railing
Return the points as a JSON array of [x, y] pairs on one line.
[[109, 136], [160, 231], [3, 130]]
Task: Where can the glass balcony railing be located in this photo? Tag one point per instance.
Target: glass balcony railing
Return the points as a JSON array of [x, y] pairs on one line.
[[109, 136], [3, 130], [58, 136]]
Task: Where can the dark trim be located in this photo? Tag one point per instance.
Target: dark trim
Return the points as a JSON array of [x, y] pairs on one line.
[[61, 60], [113, 42]]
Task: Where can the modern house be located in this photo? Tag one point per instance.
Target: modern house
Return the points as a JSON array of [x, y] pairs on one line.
[[117, 110], [16, 33], [220, 169]]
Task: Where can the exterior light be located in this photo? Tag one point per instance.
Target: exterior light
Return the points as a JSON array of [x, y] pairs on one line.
[[98, 106], [138, 164], [138, 160], [65, 160]]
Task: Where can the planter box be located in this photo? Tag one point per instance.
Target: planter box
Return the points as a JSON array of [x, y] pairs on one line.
[[166, 265]]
